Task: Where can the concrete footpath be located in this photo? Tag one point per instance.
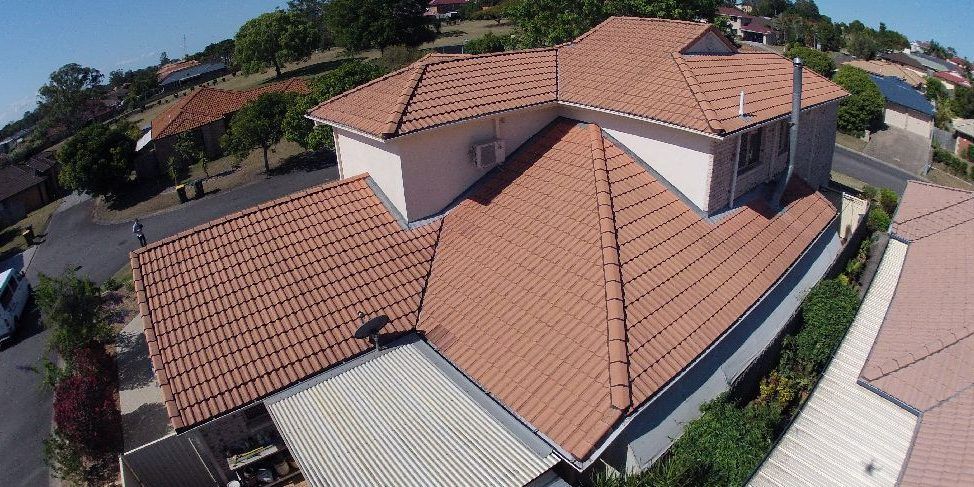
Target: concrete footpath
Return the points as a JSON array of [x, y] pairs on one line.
[[144, 417]]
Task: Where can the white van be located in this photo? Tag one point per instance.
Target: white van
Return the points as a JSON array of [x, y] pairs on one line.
[[14, 292]]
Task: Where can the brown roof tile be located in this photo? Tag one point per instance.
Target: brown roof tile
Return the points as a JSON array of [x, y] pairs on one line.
[[570, 283], [628, 65], [281, 317], [924, 353], [206, 105]]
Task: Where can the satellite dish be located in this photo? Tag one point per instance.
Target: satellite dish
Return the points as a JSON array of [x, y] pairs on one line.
[[372, 327]]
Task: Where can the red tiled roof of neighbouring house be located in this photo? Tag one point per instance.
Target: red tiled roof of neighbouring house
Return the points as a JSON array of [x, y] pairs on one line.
[[605, 68], [571, 284], [732, 12], [759, 25], [953, 78], [434, 3], [924, 354], [525, 291], [163, 72], [246, 305], [206, 105]]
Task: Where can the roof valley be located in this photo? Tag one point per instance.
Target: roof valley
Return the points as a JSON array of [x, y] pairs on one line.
[[619, 380]]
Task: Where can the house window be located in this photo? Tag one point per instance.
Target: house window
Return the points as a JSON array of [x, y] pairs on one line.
[[750, 154], [783, 138]]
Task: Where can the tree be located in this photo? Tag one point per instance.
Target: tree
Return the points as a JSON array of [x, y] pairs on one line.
[[315, 13], [549, 22], [376, 24], [75, 311], [813, 59], [298, 128], [164, 59], [186, 151], [890, 40], [936, 90], [771, 8], [962, 104], [863, 110], [143, 85], [486, 43], [97, 160], [258, 124], [861, 45], [64, 96], [273, 39]]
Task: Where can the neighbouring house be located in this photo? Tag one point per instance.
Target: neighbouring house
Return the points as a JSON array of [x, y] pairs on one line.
[[46, 166], [906, 108], [205, 113], [905, 60], [952, 80], [885, 68], [193, 75], [22, 190], [960, 63], [572, 254], [932, 63], [167, 70], [750, 28], [894, 406], [964, 136], [445, 7]]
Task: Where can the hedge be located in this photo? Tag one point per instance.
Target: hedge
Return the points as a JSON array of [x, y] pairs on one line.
[[954, 164]]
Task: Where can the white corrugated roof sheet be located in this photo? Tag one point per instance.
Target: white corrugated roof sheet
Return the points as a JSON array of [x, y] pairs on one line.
[[399, 420], [847, 434]]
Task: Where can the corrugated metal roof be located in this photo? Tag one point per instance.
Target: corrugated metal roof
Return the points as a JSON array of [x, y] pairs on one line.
[[847, 434], [398, 419]]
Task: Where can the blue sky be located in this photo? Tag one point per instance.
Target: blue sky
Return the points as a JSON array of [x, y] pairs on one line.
[[38, 36]]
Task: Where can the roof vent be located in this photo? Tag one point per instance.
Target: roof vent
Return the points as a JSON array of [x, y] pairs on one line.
[[740, 106], [370, 329]]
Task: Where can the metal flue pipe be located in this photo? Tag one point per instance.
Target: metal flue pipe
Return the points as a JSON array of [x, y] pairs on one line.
[[796, 108]]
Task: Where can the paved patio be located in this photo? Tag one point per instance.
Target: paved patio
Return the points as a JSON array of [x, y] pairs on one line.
[[903, 149], [144, 416]]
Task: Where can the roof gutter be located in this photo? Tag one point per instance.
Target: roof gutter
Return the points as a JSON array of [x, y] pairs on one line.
[[595, 455]]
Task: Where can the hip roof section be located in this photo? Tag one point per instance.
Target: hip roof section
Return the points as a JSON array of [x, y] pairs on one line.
[[924, 355], [207, 105], [646, 68], [246, 305]]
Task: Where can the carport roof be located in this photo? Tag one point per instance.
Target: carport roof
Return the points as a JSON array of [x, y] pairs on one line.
[[404, 416]]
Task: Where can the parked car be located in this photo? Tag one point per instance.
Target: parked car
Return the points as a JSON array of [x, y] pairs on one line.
[[14, 293]]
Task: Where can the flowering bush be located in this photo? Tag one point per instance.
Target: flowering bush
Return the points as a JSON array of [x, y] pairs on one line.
[[85, 412]]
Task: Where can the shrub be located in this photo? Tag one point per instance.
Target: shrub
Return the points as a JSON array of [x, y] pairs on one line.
[[953, 163], [484, 44], [73, 307], [827, 312], [970, 153], [863, 110], [64, 459], [877, 220], [813, 59], [888, 199], [85, 413]]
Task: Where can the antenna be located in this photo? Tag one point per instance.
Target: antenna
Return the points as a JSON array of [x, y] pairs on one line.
[[370, 329], [184, 47]]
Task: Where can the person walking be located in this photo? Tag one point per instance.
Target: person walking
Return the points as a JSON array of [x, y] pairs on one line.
[[137, 230]]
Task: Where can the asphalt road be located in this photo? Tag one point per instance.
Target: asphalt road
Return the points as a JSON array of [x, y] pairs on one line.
[[870, 171], [73, 240]]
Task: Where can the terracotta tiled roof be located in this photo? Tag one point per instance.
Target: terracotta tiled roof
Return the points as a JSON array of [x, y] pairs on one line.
[[171, 68], [924, 354], [766, 80], [953, 78], [525, 292], [634, 66], [443, 89], [570, 283], [207, 105], [246, 305]]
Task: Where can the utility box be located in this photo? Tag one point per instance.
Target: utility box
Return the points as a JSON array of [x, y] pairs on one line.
[[181, 192], [198, 189]]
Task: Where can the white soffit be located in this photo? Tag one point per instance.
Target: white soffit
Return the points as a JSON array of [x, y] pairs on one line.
[[399, 419], [847, 434]]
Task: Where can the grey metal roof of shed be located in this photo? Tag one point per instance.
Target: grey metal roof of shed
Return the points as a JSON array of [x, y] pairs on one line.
[[191, 72], [897, 91], [398, 418]]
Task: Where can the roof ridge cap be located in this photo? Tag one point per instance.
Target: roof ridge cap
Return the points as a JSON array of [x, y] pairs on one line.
[[698, 95], [909, 358], [247, 211], [399, 112], [620, 386]]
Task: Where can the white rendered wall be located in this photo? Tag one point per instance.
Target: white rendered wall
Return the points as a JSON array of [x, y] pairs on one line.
[[683, 158], [437, 165], [358, 154]]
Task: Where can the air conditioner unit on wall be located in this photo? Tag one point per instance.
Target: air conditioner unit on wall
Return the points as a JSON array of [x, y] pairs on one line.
[[486, 156]]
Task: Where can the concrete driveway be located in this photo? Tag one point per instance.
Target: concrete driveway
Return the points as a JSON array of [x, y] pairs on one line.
[[73, 240], [903, 149]]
